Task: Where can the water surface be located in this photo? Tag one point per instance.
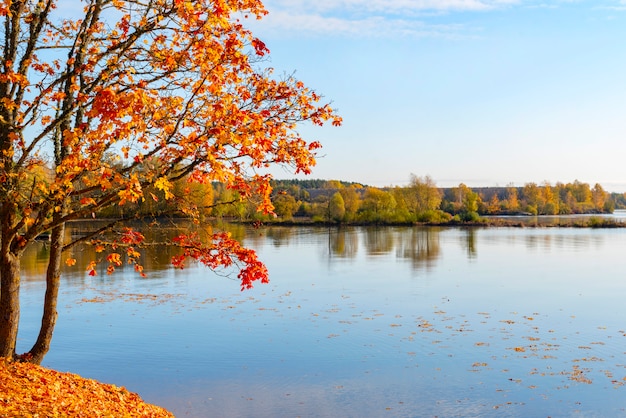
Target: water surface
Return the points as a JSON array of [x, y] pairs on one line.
[[360, 322]]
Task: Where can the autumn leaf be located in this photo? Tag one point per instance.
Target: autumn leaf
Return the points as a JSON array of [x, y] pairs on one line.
[[87, 201], [30, 390], [164, 185], [169, 94], [114, 258]]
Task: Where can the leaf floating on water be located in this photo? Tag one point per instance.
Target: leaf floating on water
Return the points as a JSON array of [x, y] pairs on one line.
[[617, 383], [594, 358], [578, 375], [97, 299]]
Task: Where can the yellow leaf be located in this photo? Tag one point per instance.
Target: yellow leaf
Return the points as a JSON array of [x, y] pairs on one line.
[[164, 184]]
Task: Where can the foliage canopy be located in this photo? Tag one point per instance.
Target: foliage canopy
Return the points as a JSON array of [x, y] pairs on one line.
[[116, 105]]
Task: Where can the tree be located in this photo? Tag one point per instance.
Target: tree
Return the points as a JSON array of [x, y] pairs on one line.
[[468, 199], [228, 203], [599, 198], [377, 205], [93, 102], [494, 205], [351, 201], [512, 202], [336, 207], [581, 192], [532, 196], [285, 205], [333, 184], [550, 200], [404, 199], [426, 195]]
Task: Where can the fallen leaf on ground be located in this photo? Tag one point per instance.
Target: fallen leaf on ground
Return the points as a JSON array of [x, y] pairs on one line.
[[28, 390]]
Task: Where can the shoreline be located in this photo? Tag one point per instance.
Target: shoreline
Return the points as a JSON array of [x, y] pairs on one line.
[[591, 222]]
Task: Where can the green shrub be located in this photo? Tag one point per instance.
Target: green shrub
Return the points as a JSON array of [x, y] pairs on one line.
[[434, 216], [470, 216]]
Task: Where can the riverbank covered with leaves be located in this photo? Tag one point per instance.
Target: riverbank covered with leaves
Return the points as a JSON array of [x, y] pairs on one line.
[[27, 390]]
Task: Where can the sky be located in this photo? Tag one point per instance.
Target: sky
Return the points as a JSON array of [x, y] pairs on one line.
[[480, 92]]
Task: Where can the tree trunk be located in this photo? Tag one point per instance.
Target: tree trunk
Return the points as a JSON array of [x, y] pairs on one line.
[[50, 314], [9, 302]]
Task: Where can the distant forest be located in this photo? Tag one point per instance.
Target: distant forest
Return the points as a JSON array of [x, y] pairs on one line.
[[346, 202]]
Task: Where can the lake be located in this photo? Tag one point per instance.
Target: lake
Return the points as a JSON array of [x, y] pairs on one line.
[[358, 322]]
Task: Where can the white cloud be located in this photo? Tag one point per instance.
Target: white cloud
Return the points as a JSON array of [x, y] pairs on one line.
[[370, 26], [391, 18], [620, 6], [369, 18], [389, 6]]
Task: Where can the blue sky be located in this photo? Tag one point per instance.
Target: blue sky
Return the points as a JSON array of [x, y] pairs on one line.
[[485, 92]]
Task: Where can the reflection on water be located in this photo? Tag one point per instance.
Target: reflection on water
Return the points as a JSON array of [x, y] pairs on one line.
[[154, 258], [358, 322], [554, 220], [469, 243], [343, 243], [379, 241], [420, 245]]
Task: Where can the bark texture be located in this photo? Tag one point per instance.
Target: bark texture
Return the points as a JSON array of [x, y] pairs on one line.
[[50, 314], [9, 303]]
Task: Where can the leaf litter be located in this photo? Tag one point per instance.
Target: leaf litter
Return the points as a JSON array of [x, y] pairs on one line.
[[28, 390]]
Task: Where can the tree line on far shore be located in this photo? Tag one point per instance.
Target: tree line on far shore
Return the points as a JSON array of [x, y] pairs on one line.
[[346, 202]]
